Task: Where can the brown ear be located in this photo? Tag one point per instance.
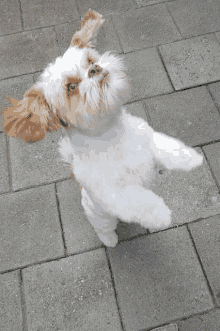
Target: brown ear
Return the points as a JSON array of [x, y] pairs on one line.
[[89, 28], [30, 118]]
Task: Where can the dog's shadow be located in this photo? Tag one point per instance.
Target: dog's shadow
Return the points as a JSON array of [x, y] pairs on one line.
[[129, 230]]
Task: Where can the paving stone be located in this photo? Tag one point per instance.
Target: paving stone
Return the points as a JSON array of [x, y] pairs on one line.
[[170, 327], [104, 7], [212, 153], [218, 35], [15, 88], [30, 229], [145, 27], [158, 278], [37, 163], [189, 195], [27, 52], [195, 17], [144, 64], [78, 232], [190, 116], [10, 19], [192, 62], [4, 175], [10, 304], [75, 293], [37, 13], [204, 322], [206, 235], [107, 39], [214, 89]]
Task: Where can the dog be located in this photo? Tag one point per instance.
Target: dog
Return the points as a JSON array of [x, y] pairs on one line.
[[112, 154]]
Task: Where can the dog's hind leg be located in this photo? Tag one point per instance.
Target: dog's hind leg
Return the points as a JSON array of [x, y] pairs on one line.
[[103, 223]]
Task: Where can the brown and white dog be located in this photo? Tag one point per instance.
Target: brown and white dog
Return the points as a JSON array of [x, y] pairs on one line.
[[111, 152]]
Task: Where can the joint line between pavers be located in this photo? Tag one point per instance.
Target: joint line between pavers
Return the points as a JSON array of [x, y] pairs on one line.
[[201, 265], [23, 302], [210, 168], [117, 35], [21, 15], [115, 291], [60, 220], [161, 58]]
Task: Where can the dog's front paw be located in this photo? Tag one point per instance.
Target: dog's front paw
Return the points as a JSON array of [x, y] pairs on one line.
[[159, 217], [188, 158]]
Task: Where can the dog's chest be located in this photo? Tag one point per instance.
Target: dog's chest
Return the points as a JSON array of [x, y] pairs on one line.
[[119, 162]]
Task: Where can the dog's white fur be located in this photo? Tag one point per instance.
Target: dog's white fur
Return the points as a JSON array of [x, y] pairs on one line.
[[112, 153]]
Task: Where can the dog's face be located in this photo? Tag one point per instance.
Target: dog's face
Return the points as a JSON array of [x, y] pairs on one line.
[[79, 89], [84, 86]]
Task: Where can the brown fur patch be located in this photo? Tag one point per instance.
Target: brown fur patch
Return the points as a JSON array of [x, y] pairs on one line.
[[29, 118], [77, 42], [90, 15]]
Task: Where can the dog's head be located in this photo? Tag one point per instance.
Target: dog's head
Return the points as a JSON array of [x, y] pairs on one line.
[[78, 89]]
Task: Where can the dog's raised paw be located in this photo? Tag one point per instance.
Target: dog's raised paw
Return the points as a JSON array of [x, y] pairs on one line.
[[187, 159], [161, 216], [158, 218]]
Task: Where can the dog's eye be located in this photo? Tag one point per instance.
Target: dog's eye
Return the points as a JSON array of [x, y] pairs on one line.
[[71, 86], [90, 62]]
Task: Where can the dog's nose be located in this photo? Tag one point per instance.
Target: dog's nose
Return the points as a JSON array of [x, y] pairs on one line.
[[94, 70]]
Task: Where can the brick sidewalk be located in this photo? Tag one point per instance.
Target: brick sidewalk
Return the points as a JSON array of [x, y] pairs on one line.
[[54, 272]]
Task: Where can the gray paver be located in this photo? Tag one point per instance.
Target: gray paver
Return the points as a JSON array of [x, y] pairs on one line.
[[206, 237], [218, 35], [10, 304], [158, 278], [37, 13], [107, 39], [193, 61], [190, 195], [71, 294], [205, 322], [78, 232], [145, 27], [146, 74], [37, 163], [190, 116], [27, 52], [15, 88], [212, 153], [170, 327], [30, 229], [4, 175], [10, 19], [195, 17], [105, 7]]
